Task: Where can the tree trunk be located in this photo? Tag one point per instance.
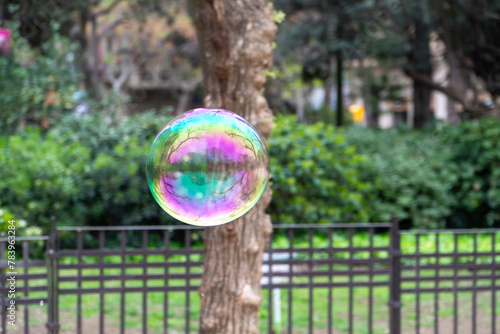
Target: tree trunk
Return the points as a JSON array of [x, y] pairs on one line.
[[299, 102], [96, 73], [421, 62], [371, 106], [457, 83], [81, 37], [421, 104], [327, 87], [340, 91], [183, 101], [235, 39], [340, 76]]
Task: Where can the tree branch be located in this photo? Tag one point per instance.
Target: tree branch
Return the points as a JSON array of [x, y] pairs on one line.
[[112, 25], [109, 9], [476, 108]]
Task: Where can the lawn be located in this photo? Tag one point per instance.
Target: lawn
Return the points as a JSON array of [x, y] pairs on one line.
[[300, 297]]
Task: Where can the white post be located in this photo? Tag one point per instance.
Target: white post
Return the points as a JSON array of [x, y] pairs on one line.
[[277, 306]]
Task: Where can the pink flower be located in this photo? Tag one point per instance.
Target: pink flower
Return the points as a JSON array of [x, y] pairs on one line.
[[4, 40]]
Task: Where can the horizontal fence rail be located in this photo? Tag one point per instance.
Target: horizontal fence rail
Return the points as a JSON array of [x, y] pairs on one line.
[[338, 278], [459, 270], [308, 267], [28, 277]]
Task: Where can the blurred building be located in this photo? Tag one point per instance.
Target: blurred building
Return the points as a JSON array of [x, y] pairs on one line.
[[397, 108]]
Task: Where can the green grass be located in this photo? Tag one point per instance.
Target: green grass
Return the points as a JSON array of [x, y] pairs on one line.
[[300, 310], [176, 320], [300, 297]]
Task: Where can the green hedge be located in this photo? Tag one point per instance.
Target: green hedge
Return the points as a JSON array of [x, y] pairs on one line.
[[447, 177], [88, 172], [476, 157], [37, 83], [317, 176], [412, 174]]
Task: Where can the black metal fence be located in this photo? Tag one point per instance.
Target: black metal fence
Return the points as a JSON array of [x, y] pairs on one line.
[[341, 278], [454, 276]]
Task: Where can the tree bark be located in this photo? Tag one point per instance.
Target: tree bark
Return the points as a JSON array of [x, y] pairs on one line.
[[235, 39], [471, 106], [299, 101], [421, 61], [456, 80], [340, 91], [456, 83], [81, 36], [96, 73], [327, 87], [421, 104], [371, 106]]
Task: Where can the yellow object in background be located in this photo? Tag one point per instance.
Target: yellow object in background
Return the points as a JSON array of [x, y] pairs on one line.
[[358, 113]]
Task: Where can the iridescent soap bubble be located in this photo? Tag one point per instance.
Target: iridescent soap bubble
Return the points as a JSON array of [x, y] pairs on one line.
[[207, 167]]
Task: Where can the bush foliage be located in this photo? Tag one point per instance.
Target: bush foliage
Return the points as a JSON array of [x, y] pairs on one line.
[[475, 151], [412, 175], [37, 84], [85, 172], [317, 176], [88, 172]]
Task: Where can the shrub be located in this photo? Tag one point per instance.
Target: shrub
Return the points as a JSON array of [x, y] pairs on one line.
[[89, 172], [86, 172], [412, 175], [317, 177], [37, 84], [42, 177], [476, 153]]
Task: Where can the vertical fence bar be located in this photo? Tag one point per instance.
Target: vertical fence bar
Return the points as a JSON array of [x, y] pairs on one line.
[[79, 243], [417, 304], [351, 274], [370, 287], [26, 286], [311, 302], [101, 281], [474, 286], [436, 285], [166, 243], [455, 285], [2, 282], [270, 284], [188, 281], [290, 280], [52, 281], [123, 243], [395, 280], [394, 288], [493, 285], [145, 282], [330, 280]]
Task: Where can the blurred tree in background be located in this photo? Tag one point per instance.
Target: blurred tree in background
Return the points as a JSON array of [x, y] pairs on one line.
[[37, 83], [400, 34], [319, 33]]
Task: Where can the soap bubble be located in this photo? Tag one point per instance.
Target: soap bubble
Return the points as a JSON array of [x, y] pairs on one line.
[[207, 167]]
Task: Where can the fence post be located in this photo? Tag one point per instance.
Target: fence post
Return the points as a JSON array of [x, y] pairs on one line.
[[52, 284], [395, 279]]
